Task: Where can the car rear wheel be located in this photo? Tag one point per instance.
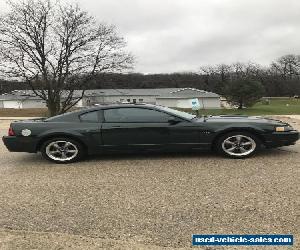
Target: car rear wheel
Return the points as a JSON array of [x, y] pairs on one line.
[[62, 150], [238, 144]]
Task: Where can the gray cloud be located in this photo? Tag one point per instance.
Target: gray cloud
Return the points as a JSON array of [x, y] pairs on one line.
[[181, 35]]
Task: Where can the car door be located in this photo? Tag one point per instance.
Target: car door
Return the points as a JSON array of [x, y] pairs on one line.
[[186, 134], [185, 131], [135, 128]]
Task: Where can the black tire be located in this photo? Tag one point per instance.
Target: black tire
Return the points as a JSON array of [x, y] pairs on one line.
[[71, 145], [224, 147]]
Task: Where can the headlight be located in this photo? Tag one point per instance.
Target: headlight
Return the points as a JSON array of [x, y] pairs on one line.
[[284, 129]]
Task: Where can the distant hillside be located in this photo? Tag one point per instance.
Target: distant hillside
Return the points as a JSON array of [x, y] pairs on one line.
[[275, 85], [108, 81]]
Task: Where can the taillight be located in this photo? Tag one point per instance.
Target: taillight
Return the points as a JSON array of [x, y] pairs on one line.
[[11, 132]]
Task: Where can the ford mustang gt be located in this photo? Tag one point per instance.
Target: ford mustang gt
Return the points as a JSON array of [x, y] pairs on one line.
[[144, 127]]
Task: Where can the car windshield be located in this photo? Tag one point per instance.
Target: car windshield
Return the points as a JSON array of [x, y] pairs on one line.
[[179, 113]]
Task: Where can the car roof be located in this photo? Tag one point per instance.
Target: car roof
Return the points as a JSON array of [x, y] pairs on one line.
[[120, 105], [74, 114]]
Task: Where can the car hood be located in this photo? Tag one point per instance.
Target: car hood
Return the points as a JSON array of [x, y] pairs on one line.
[[244, 119]]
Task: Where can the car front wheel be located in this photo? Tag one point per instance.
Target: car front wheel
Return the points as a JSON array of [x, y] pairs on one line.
[[238, 144], [62, 150]]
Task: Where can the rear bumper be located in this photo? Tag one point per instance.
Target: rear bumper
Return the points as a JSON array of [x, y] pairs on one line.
[[279, 139], [20, 144]]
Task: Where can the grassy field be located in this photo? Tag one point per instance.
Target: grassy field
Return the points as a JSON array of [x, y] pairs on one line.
[[276, 107], [38, 112]]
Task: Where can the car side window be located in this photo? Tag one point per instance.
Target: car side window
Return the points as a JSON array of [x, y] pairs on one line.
[[90, 117], [135, 115]]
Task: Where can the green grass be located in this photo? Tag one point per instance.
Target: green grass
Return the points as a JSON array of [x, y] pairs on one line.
[[286, 106], [33, 112]]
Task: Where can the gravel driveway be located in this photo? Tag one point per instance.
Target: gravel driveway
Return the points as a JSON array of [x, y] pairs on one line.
[[146, 201]]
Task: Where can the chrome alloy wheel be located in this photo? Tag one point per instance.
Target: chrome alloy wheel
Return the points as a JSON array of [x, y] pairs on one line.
[[239, 145], [61, 151]]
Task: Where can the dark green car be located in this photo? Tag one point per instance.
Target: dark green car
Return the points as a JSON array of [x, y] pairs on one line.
[[144, 127]]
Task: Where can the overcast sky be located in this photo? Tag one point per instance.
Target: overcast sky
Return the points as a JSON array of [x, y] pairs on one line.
[[182, 35]]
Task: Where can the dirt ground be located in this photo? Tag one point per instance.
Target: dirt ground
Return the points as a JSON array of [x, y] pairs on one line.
[[146, 201]]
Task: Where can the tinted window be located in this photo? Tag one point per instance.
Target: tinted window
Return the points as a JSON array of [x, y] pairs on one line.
[[135, 115], [90, 117]]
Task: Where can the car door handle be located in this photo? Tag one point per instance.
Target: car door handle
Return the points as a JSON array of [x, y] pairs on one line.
[[117, 126]]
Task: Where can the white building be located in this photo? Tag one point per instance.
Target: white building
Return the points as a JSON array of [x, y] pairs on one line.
[[171, 97], [181, 98], [19, 100]]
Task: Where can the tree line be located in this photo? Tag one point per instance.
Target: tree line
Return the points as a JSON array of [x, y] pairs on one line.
[[280, 78]]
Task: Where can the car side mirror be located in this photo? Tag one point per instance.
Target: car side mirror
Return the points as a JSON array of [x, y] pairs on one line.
[[174, 120]]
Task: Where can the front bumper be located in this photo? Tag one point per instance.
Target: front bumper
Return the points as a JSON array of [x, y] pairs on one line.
[[279, 139], [20, 144]]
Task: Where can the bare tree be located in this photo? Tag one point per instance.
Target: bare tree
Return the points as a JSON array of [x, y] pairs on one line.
[[248, 70], [224, 71], [220, 71], [288, 67], [56, 49]]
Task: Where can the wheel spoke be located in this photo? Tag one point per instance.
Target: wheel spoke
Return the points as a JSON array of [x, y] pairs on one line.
[[229, 142], [63, 155], [238, 139], [67, 144], [246, 143], [231, 149], [54, 151], [71, 151], [243, 150]]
